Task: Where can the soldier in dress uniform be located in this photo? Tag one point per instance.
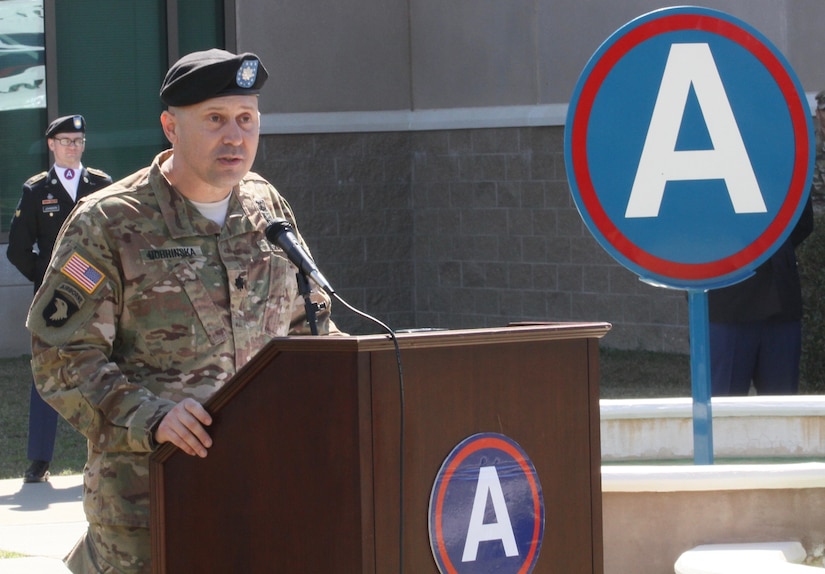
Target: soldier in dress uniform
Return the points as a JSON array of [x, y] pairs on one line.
[[46, 202]]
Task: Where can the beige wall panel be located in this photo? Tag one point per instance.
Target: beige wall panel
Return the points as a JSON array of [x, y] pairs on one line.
[[328, 56], [574, 30], [469, 53], [806, 42], [373, 55]]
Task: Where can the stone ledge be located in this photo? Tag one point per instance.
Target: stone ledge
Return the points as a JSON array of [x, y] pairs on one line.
[[796, 405], [786, 427], [715, 477], [751, 558]]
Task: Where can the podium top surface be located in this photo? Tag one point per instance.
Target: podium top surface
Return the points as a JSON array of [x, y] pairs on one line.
[[422, 338]]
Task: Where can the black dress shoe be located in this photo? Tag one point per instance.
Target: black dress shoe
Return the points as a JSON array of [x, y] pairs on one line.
[[37, 472]]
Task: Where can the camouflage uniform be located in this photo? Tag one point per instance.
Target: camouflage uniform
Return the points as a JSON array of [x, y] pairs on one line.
[[818, 181], [146, 303]]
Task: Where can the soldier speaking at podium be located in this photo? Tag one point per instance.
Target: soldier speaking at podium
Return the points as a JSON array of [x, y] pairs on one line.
[[46, 202], [160, 289]]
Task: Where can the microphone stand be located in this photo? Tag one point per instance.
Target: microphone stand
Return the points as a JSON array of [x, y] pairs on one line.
[[310, 307], [279, 234]]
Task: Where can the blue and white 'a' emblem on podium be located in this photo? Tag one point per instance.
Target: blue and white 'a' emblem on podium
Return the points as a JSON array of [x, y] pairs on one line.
[[486, 509]]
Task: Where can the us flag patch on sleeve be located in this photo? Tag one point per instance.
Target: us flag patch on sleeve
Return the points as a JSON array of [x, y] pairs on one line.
[[83, 273]]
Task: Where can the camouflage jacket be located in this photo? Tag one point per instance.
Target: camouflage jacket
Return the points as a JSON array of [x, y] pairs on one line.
[[818, 178], [145, 303]]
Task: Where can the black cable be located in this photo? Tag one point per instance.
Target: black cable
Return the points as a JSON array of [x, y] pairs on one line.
[[402, 424]]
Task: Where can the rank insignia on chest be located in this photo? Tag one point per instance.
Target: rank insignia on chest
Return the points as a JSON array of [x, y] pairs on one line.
[[50, 205]]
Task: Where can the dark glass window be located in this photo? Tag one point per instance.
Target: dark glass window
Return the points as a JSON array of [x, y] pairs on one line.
[[23, 151], [110, 58]]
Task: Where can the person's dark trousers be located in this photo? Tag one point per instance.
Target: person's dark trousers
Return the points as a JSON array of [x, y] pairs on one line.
[[766, 353], [42, 428]]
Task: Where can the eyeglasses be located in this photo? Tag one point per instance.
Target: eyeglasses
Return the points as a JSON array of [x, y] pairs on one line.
[[66, 142]]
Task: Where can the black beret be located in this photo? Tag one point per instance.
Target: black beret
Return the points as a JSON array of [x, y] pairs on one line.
[[66, 125], [200, 76]]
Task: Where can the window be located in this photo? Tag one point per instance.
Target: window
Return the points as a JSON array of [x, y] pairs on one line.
[[22, 99], [107, 59]]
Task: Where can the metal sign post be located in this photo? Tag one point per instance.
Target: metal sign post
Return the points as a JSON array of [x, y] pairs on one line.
[[700, 376]]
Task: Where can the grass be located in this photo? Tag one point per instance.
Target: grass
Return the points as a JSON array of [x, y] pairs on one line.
[[647, 374], [15, 385], [643, 374], [624, 375]]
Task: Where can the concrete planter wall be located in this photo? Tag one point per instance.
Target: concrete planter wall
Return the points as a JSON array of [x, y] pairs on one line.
[[743, 427], [655, 512]]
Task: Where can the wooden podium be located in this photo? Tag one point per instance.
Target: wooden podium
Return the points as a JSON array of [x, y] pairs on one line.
[[306, 474]]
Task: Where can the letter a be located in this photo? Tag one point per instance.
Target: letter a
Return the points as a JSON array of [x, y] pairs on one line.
[[502, 529], [660, 162]]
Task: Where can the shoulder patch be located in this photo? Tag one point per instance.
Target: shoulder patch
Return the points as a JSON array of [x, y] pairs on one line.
[[35, 178], [65, 302], [98, 172], [86, 275]]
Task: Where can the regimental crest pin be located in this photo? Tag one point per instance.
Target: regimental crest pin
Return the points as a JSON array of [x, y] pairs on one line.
[[247, 73], [78, 122]]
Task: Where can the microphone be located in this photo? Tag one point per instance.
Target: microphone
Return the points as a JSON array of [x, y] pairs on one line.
[[281, 233]]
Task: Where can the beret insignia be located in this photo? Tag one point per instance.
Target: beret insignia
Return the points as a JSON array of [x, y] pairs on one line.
[[247, 74]]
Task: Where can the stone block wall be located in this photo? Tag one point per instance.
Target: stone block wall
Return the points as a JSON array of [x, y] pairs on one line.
[[461, 229]]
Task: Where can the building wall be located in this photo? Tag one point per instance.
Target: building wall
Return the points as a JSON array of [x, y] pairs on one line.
[[375, 55], [16, 295], [461, 228], [421, 144], [452, 228]]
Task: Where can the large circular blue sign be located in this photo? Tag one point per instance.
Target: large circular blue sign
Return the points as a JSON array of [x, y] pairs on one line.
[[486, 509], [689, 147]]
